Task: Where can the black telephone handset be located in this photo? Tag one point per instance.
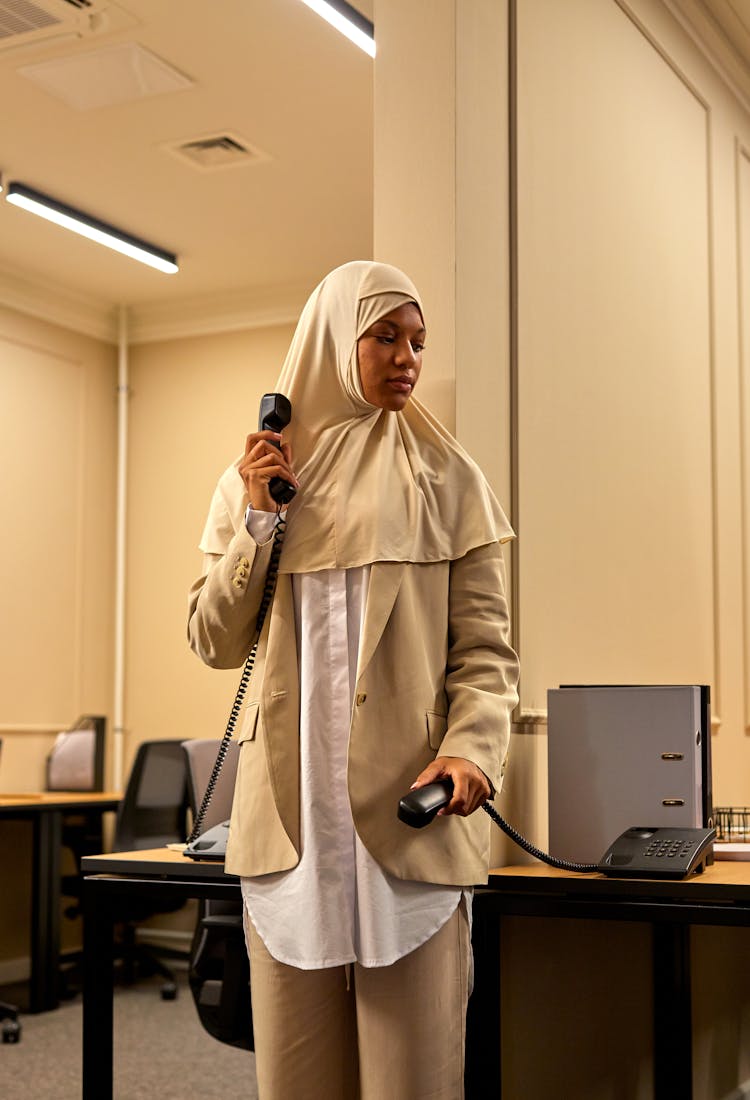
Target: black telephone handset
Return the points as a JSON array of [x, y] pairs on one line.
[[275, 413], [640, 852]]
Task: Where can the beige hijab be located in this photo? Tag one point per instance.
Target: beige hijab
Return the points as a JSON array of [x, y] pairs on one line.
[[374, 485]]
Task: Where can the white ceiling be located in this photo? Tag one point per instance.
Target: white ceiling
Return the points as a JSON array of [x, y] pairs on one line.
[[270, 73]]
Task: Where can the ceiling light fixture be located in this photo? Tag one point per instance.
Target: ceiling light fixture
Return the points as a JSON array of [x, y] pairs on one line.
[[78, 222], [348, 20]]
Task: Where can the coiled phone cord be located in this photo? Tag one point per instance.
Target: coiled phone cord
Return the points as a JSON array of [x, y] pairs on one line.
[[522, 842], [265, 602]]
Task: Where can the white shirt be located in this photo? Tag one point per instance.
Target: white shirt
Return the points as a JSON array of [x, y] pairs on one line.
[[337, 905]]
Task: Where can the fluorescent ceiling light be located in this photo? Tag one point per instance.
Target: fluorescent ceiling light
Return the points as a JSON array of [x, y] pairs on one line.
[[70, 218], [348, 20]]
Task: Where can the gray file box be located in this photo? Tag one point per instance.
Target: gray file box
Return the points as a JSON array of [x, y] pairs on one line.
[[625, 755]]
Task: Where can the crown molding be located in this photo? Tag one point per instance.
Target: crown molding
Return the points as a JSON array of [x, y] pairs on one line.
[[700, 25], [252, 307], [58, 305], [207, 315]]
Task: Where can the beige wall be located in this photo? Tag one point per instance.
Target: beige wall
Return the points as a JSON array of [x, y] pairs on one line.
[[57, 443], [618, 433], [192, 404], [628, 430]]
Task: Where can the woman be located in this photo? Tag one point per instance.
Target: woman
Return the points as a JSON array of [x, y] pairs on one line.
[[383, 664]]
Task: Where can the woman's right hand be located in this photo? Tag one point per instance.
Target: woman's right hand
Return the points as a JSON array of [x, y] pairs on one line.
[[261, 462]]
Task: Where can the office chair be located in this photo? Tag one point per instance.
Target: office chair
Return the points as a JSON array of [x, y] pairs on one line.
[[153, 813], [201, 755], [76, 762], [219, 974]]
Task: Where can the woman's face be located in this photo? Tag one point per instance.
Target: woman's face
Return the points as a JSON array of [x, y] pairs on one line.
[[389, 355]]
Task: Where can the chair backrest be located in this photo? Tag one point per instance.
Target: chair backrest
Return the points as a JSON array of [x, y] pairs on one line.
[[153, 811], [76, 762], [201, 755]]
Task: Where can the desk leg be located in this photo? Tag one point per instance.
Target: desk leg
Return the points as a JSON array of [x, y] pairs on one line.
[[482, 1075], [98, 992], [673, 1024], [45, 912]]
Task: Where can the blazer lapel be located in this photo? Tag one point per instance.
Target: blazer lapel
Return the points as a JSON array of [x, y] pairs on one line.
[[385, 579]]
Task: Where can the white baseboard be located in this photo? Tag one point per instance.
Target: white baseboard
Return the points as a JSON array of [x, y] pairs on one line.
[[15, 970]]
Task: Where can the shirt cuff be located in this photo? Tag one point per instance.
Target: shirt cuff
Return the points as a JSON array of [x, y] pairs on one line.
[[259, 525]]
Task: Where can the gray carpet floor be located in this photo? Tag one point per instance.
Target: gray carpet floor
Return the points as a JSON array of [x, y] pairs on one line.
[[161, 1053]]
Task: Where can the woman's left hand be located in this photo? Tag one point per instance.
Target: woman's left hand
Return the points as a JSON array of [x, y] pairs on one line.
[[470, 785]]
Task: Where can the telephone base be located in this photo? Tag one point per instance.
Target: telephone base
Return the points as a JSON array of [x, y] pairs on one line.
[[650, 852], [211, 845]]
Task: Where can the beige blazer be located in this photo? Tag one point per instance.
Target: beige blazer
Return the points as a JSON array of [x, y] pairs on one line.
[[436, 676]]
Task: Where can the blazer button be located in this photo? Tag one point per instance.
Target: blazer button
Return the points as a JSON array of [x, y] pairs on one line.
[[244, 563], [361, 698], [240, 571], [237, 582]]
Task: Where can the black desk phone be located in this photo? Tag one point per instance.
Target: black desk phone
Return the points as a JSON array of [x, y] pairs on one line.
[[211, 845], [640, 852], [658, 853]]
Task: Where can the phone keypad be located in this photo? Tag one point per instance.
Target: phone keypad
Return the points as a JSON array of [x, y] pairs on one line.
[[671, 849]]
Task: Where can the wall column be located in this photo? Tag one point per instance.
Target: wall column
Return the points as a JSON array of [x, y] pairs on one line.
[[441, 204]]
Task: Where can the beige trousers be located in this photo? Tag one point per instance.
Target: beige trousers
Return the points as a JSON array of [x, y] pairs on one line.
[[357, 1033]]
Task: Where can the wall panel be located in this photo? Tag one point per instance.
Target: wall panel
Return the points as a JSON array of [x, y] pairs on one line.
[[41, 498], [614, 373]]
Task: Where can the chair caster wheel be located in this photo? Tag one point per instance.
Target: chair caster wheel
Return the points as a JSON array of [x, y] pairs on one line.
[[11, 1031], [169, 991]]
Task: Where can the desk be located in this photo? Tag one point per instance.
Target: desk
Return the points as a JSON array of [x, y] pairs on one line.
[[720, 896], [45, 811], [159, 873]]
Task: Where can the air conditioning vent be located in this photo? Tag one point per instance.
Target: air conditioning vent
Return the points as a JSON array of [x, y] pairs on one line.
[[218, 151], [25, 22]]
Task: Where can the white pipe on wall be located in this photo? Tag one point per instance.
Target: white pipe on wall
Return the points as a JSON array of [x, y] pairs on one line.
[[123, 394]]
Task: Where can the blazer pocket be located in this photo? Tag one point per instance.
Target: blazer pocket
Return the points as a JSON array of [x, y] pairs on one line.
[[250, 723], [437, 724]]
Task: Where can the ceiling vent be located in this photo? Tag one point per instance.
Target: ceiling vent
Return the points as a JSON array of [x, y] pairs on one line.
[[218, 151], [32, 22]]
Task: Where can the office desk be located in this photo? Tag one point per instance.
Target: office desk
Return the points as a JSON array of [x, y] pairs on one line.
[[720, 896], [159, 873], [46, 810]]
